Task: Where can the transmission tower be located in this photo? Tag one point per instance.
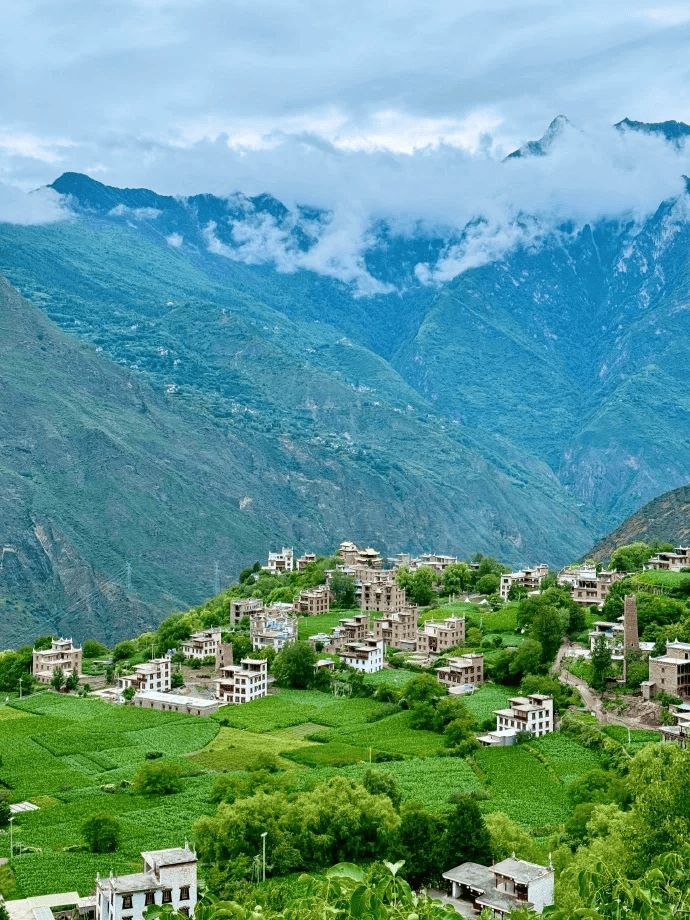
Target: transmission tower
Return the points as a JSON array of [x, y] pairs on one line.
[[216, 581]]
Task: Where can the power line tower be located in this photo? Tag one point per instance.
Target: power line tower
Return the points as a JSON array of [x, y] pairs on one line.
[[129, 576], [216, 580]]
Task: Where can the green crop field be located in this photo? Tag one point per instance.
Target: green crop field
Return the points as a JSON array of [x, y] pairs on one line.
[[323, 622], [75, 757], [665, 579], [394, 677]]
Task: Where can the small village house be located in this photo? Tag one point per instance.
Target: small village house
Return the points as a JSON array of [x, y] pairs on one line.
[[272, 630], [532, 714], [202, 644], [504, 887], [530, 578], [434, 637], [397, 628], [462, 673], [61, 654], [155, 674], [241, 683], [313, 601], [243, 607], [365, 655], [168, 877]]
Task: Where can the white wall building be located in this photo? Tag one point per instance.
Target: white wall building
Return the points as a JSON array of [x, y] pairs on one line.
[[533, 714], [61, 654], [202, 644], [167, 877], [531, 578], [365, 655], [151, 675], [272, 630], [241, 683], [284, 561]]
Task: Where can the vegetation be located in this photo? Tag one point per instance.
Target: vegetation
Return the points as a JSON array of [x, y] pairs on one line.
[[102, 833]]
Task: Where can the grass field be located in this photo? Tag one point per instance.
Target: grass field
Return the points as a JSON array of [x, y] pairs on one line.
[[482, 702], [665, 579], [395, 677], [323, 622]]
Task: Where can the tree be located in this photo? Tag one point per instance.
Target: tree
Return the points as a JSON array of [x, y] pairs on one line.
[[343, 586], [419, 843], [547, 628], [294, 665], [58, 678], [101, 833], [177, 680], [129, 693], [43, 643], [631, 557], [72, 682], [487, 584], [517, 591], [422, 689], [637, 668], [376, 782], [508, 837], [527, 660], [123, 650], [158, 779], [456, 578], [5, 812], [601, 663], [241, 647], [421, 590], [93, 649], [466, 838]]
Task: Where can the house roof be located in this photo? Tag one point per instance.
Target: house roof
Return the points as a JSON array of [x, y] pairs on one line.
[[473, 875], [501, 901], [170, 857], [520, 870]]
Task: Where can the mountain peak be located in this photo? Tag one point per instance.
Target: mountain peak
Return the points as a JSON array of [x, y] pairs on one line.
[[541, 147], [674, 132]]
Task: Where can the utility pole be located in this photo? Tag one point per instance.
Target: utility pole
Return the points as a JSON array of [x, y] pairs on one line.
[[20, 687], [216, 581], [11, 838], [263, 837], [129, 576]]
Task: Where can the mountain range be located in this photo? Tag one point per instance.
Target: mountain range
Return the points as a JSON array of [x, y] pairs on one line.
[[205, 393]]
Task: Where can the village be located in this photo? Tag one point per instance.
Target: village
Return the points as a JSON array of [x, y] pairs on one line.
[[382, 631]]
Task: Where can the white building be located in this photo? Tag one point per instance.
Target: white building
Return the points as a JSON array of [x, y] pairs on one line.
[[241, 683], [202, 644], [151, 675], [284, 561], [533, 714], [172, 702], [504, 887], [365, 655], [530, 578], [167, 877], [61, 654]]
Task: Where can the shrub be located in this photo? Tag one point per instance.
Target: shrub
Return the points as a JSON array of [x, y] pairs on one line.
[[101, 833], [93, 649], [158, 779], [177, 680]]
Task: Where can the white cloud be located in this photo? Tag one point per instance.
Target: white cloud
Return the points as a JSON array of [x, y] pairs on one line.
[[40, 207], [175, 239]]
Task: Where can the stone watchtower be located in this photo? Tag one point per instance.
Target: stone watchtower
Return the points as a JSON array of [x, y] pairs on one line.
[[630, 636]]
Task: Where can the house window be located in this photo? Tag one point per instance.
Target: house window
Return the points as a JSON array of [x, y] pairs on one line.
[[126, 902], [185, 911], [184, 893], [149, 898], [167, 896]]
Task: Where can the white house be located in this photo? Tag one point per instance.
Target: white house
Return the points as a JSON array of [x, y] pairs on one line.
[[506, 886], [202, 644], [241, 683], [155, 674], [533, 714], [167, 877], [365, 655]]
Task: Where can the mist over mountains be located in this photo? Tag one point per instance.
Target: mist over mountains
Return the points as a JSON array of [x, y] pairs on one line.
[[505, 380]]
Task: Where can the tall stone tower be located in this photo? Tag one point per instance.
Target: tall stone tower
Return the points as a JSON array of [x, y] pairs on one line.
[[630, 637]]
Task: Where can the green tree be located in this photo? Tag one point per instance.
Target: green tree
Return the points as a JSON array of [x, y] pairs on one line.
[[508, 837], [177, 680], [158, 779], [93, 649], [456, 578], [5, 812], [101, 833], [601, 664], [419, 843], [43, 643], [294, 665], [487, 584], [123, 650], [421, 590], [527, 660], [631, 557], [72, 682], [58, 678], [517, 591], [345, 591], [376, 782], [547, 628], [466, 837], [241, 647], [422, 689], [129, 693], [637, 663]]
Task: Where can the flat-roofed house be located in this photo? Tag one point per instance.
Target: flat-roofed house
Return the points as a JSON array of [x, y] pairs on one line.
[[313, 601], [305, 560], [531, 578], [284, 561], [155, 674], [671, 672], [533, 714], [384, 596], [462, 673], [168, 877], [434, 637], [272, 630], [241, 683], [587, 588], [397, 628], [350, 629], [670, 561], [61, 654], [172, 702], [365, 655], [242, 607], [202, 644], [504, 887]]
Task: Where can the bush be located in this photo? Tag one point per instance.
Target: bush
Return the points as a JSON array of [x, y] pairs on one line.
[[158, 779], [5, 812], [177, 680], [154, 755], [101, 833], [93, 649]]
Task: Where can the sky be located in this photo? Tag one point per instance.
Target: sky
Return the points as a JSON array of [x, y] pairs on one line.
[[404, 108]]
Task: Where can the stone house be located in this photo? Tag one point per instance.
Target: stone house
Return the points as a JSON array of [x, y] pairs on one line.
[[314, 600], [504, 887], [671, 672], [151, 675], [397, 629], [61, 654], [433, 561], [387, 597], [350, 629], [272, 630], [586, 587], [670, 562], [241, 683], [366, 655], [434, 638], [304, 561], [242, 607], [352, 555], [462, 672], [530, 578], [202, 644], [168, 877]]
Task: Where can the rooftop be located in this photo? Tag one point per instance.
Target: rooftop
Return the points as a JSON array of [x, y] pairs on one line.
[[170, 857], [520, 870]]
